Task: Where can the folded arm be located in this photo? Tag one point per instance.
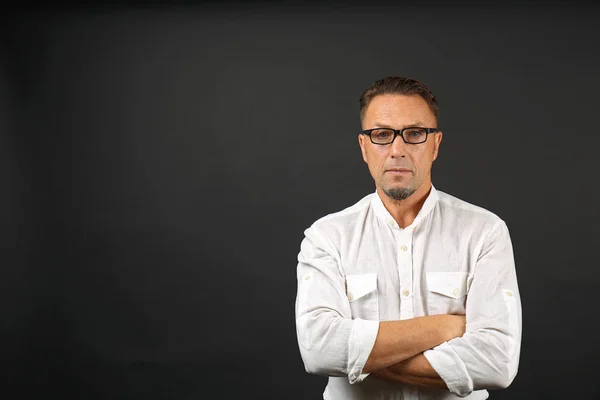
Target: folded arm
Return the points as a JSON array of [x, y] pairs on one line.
[[398, 341], [416, 371], [332, 343], [487, 355]]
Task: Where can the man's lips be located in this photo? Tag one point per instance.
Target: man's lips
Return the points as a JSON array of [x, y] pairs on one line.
[[398, 170]]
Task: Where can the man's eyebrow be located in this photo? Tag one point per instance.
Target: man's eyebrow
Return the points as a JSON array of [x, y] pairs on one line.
[[414, 124]]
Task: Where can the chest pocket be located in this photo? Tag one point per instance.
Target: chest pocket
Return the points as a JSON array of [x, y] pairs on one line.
[[447, 292], [362, 295]]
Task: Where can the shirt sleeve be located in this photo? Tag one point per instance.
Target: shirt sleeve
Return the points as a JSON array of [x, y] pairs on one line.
[[487, 355], [331, 342]]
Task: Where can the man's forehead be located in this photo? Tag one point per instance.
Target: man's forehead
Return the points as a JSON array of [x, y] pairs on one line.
[[387, 106], [394, 100]]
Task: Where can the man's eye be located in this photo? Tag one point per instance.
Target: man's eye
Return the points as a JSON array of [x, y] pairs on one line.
[[415, 133], [382, 134]]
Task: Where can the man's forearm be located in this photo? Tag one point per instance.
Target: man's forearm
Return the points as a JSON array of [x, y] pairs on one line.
[[400, 340], [413, 371]]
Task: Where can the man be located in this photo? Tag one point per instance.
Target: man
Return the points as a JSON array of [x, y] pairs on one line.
[[410, 293]]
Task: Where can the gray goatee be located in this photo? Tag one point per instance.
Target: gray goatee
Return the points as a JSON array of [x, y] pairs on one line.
[[399, 193]]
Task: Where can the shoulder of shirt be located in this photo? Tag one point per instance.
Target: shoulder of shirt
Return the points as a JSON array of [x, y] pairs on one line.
[[345, 216], [457, 205]]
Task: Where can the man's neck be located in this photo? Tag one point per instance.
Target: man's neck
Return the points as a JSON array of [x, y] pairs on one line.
[[405, 211]]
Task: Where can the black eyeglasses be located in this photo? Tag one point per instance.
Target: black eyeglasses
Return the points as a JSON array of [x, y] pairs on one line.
[[410, 135]]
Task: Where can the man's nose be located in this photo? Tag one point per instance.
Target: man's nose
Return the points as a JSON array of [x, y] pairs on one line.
[[398, 147]]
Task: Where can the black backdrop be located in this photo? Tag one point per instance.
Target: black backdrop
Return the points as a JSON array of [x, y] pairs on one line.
[[159, 165]]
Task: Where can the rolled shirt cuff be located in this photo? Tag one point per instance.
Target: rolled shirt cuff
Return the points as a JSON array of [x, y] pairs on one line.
[[361, 342], [450, 368]]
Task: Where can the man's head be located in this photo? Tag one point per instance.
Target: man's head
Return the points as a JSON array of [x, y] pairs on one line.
[[399, 168]]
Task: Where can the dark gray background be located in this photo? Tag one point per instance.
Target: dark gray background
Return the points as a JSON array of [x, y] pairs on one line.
[[159, 166]]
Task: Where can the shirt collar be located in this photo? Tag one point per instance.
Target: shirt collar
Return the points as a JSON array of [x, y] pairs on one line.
[[383, 214]]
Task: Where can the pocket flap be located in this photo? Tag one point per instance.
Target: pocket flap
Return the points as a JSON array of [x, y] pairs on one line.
[[451, 284], [358, 286]]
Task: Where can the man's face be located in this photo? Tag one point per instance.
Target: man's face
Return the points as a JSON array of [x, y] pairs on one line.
[[399, 168]]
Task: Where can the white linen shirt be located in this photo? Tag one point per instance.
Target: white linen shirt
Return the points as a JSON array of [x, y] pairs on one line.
[[357, 267]]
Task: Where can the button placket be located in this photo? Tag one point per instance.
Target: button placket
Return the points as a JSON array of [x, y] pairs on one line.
[[404, 243]]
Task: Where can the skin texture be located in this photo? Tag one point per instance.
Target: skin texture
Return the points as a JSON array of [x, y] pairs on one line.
[[397, 353]]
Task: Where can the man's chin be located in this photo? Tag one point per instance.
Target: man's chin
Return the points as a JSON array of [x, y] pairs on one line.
[[399, 193]]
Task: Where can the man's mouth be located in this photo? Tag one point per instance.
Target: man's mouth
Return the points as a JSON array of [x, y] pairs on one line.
[[399, 170]]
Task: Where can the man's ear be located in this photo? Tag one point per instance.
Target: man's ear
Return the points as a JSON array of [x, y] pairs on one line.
[[437, 139], [362, 143]]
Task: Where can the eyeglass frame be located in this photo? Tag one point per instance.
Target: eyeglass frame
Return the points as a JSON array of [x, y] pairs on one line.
[[400, 132]]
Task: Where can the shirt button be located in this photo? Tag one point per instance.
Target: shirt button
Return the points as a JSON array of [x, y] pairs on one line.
[[307, 277], [406, 292], [391, 222], [455, 291], [404, 248], [350, 297], [509, 294]]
